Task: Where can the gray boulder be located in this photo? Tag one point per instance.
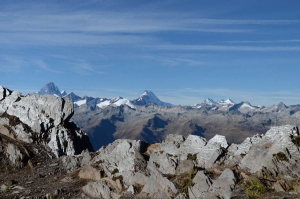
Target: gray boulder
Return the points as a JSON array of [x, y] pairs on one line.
[[185, 166], [158, 186], [32, 108], [264, 154], [100, 190], [204, 187], [15, 155], [121, 156], [41, 118]]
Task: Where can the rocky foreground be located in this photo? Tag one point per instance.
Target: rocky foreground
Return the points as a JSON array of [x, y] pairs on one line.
[[44, 155]]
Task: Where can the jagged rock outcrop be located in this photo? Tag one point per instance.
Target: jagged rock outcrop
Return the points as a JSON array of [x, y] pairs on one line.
[[43, 119], [193, 167], [158, 186], [121, 156], [35, 130], [204, 187], [274, 151], [100, 190]]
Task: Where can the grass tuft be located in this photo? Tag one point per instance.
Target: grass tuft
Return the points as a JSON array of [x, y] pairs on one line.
[[186, 183], [296, 140], [192, 156], [255, 189]]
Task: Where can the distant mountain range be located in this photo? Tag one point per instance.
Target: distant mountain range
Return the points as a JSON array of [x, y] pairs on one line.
[[146, 98], [149, 119]]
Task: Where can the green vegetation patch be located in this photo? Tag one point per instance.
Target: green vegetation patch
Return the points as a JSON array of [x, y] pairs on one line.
[[192, 156], [187, 182], [255, 189], [296, 140], [281, 156]]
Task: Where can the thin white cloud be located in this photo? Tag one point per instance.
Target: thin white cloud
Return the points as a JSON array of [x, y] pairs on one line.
[[226, 48], [174, 61], [42, 65], [85, 68], [10, 63], [265, 41], [68, 39], [244, 22]]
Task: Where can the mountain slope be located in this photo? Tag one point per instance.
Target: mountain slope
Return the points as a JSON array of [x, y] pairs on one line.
[[50, 89], [148, 97], [153, 123]]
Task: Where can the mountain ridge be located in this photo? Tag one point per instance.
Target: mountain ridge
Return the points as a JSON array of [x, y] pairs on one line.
[[45, 155]]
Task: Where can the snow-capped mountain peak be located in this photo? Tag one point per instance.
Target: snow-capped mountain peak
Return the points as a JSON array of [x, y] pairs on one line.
[[63, 93], [212, 103], [50, 89], [148, 97], [227, 101], [209, 101]]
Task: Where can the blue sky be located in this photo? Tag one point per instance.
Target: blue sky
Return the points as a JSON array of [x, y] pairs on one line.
[[183, 51]]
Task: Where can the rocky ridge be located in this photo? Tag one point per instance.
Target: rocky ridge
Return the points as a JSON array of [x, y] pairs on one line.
[[262, 166], [150, 120], [43, 120], [181, 167]]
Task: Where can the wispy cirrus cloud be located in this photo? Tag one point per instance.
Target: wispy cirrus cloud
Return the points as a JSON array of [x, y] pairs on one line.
[[226, 48], [9, 63], [44, 66], [265, 41], [85, 68], [244, 22], [174, 60]]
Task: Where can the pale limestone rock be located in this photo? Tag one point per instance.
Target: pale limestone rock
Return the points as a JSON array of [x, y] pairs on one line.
[[86, 157], [261, 154], [167, 163], [99, 190], [184, 166], [15, 155], [209, 155], [32, 108], [181, 196], [225, 183], [204, 187], [61, 143], [280, 186], [174, 139], [5, 131], [123, 155], [158, 186], [202, 183], [21, 133], [89, 173], [66, 142], [2, 93], [219, 139], [71, 163], [131, 190], [132, 178]]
